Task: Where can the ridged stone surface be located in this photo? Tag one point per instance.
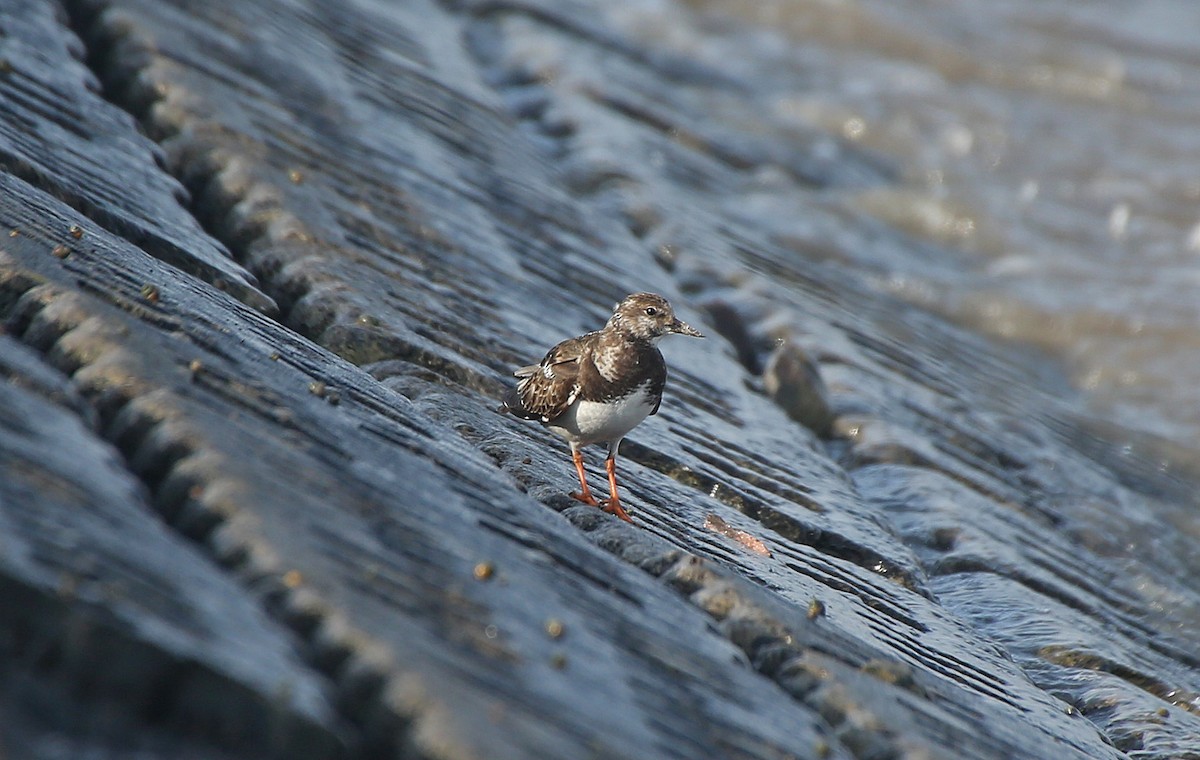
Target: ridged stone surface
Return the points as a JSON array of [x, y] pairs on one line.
[[265, 268]]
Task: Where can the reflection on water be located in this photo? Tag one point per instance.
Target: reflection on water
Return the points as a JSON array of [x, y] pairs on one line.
[[1050, 145]]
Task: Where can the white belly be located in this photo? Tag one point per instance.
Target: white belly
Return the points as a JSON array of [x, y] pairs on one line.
[[588, 422]]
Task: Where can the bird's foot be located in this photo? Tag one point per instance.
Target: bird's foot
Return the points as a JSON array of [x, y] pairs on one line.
[[586, 498], [613, 507]]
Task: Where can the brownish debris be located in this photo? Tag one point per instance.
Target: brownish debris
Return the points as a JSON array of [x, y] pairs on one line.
[[753, 543]]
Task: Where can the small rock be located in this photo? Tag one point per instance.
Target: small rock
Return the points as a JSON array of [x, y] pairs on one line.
[[816, 609], [793, 381]]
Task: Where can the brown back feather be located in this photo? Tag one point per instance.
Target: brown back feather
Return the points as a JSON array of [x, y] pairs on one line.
[[545, 391]]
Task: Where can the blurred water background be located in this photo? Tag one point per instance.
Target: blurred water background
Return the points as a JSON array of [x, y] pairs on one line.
[[1048, 151]]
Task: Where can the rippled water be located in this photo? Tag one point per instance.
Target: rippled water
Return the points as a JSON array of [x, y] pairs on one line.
[[1051, 147]]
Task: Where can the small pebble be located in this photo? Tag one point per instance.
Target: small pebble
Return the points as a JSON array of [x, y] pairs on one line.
[[76, 231], [816, 609], [317, 388], [555, 628], [484, 571], [60, 251], [793, 381], [150, 293]]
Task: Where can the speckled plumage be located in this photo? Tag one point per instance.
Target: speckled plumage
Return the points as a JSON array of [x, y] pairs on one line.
[[597, 387]]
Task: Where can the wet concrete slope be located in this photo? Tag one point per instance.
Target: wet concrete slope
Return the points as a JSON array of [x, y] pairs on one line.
[[264, 270]]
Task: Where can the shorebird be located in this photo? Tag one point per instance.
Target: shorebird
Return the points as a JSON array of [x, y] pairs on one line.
[[597, 387]]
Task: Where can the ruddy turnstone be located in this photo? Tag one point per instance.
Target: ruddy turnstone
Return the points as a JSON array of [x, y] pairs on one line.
[[599, 386]]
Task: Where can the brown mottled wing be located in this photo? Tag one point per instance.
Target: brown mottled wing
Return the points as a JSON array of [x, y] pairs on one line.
[[546, 390]]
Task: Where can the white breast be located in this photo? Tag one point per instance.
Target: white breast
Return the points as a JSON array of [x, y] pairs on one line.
[[588, 422]]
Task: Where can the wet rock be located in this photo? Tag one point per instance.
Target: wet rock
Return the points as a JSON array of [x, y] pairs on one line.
[[99, 599], [1029, 589], [362, 537], [96, 159], [406, 562], [793, 381]]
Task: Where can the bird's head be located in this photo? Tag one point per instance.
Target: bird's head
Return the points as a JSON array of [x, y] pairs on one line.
[[648, 316]]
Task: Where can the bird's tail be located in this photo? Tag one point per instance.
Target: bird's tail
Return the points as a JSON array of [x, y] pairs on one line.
[[512, 405]]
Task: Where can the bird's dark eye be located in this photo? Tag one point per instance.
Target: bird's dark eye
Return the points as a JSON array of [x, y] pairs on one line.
[[651, 311]]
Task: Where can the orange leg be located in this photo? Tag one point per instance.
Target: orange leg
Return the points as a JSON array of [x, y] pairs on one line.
[[613, 505], [586, 494]]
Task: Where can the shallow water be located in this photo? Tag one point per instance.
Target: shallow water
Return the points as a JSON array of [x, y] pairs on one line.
[[1046, 149]]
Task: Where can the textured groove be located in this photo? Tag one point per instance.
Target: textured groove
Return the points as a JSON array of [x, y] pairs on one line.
[[785, 649], [141, 422], [376, 292]]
